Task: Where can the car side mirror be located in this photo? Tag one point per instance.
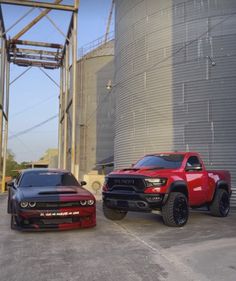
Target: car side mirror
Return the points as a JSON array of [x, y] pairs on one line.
[[10, 184], [195, 167], [83, 183]]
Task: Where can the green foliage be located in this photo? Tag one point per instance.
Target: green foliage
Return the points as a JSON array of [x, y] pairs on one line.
[[11, 165]]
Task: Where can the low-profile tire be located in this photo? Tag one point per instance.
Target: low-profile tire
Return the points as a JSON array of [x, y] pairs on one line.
[[13, 222], [220, 205], [8, 204], [113, 214], [176, 211]]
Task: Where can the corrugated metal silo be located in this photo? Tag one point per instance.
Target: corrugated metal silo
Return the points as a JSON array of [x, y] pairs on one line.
[[175, 83]]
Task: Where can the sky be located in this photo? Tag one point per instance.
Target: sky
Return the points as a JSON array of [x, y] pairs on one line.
[[34, 97]]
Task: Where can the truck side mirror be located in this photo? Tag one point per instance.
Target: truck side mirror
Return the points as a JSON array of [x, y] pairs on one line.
[[83, 183], [194, 167]]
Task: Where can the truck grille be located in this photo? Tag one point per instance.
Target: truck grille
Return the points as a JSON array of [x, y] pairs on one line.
[[126, 184]]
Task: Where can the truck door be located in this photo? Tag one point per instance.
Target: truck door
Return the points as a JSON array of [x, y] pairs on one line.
[[197, 181]]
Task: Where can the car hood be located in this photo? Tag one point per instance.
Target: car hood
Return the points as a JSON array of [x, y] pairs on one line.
[[54, 193]]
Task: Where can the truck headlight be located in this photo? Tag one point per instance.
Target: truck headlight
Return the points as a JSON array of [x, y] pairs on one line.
[[24, 204], [156, 181]]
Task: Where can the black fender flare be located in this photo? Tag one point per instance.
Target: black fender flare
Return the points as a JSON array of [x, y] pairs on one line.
[[179, 186]]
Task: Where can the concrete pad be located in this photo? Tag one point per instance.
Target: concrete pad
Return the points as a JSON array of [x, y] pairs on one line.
[[138, 248]]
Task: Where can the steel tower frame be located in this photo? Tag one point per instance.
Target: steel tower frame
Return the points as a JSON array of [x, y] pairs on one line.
[[63, 57]]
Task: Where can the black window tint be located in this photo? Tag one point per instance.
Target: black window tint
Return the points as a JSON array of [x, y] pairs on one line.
[[165, 161], [192, 161], [48, 179], [17, 179]]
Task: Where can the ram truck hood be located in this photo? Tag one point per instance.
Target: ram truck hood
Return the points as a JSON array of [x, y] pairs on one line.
[[146, 171]]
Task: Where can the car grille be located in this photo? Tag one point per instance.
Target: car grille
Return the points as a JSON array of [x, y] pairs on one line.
[[55, 205], [126, 184]]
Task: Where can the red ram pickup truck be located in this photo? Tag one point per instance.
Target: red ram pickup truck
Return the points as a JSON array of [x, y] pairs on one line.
[[167, 182]]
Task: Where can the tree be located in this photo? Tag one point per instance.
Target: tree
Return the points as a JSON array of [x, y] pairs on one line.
[[12, 166]]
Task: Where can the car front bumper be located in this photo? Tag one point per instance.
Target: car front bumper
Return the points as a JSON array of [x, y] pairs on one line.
[[60, 219]]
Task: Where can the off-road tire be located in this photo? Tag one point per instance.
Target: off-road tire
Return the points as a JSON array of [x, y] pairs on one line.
[[175, 212], [220, 205], [113, 214]]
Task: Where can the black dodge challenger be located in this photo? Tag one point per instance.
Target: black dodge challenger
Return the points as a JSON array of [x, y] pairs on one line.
[[42, 199]]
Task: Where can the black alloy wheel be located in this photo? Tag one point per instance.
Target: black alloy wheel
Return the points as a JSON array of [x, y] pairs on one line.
[[176, 211], [180, 210], [224, 204], [220, 205]]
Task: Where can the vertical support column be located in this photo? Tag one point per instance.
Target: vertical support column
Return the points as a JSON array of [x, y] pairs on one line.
[[67, 86], [74, 170], [2, 91], [5, 141], [60, 151]]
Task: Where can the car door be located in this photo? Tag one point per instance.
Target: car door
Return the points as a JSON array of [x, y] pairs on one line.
[[196, 178]]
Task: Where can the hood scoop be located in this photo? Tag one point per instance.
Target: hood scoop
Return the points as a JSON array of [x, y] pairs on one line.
[[130, 169], [57, 192]]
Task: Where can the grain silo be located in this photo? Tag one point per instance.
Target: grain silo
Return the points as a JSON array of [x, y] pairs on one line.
[[95, 109], [175, 80]]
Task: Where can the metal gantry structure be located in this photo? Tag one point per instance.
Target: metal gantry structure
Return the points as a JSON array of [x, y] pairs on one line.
[[43, 55]]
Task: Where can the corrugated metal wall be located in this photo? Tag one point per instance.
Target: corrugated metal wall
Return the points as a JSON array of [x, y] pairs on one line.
[[169, 95], [95, 109]]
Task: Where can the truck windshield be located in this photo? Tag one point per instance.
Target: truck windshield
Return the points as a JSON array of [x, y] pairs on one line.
[[162, 161], [43, 179]]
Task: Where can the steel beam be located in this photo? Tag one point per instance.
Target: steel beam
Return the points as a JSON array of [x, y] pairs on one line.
[[60, 150], [33, 57], [3, 113], [2, 92], [20, 75], [74, 96], [67, 87], [46, 5], [109, 21], [26, 63], [6, 127], [37, 44], [32, 51], [36, 20], [45, 73]]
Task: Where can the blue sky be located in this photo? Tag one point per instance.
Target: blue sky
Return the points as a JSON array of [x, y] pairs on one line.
[[34, 98]]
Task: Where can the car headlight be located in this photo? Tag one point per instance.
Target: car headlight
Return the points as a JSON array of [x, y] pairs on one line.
[[90, 202], [24, 204], [32, 204], [83, 202], [155, 181]]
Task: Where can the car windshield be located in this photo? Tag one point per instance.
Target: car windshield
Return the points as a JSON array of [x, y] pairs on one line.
[[162, 161], [41, 179]]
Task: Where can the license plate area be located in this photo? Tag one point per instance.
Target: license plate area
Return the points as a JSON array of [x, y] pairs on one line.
[[58, 214], [122, 204]]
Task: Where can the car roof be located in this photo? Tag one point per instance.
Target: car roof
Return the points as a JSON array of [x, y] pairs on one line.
[[49, 170]]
